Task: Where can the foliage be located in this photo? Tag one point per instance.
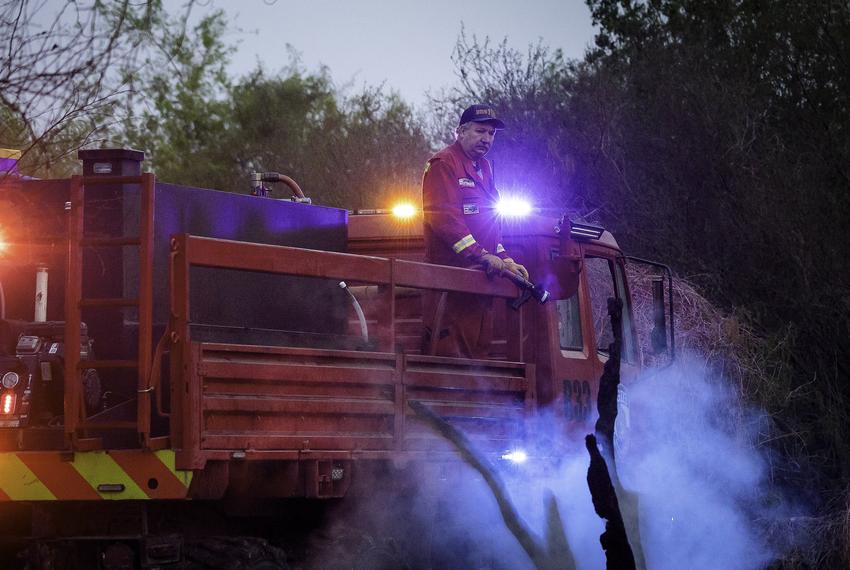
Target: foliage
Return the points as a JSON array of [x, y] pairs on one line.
[[714, 136], [175, 97], [354, 152], [527, 90], [732, 129], [60, 78], [200, 129]]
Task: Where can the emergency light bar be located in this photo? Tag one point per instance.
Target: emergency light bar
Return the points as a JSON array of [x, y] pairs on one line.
[[585, 231]]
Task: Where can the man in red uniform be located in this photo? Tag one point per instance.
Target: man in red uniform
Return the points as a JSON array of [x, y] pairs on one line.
[[462, 228]]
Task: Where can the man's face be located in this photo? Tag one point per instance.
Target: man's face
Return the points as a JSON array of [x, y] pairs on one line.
[[476, 138]]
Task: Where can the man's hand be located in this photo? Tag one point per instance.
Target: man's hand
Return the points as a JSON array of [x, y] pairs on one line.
[[493, 264], [515, 267]]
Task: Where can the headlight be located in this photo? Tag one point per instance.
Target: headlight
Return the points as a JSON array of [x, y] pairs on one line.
[[10, 380]]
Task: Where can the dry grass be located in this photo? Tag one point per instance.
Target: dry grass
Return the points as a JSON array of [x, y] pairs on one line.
[[757, 369], [729, 348]]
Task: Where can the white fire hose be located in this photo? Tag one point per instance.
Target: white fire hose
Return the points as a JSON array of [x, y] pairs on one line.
[[364, 329]]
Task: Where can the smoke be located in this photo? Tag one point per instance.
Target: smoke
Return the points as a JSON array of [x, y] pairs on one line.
[[565, 479], [690, 454], [424, 516], [705, 494], [706, 500]]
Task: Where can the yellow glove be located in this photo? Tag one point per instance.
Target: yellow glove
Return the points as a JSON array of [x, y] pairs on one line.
[[493, 264], [515, 267]]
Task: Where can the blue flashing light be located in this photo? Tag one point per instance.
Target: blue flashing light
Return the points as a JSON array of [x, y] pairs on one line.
[[511, 207]]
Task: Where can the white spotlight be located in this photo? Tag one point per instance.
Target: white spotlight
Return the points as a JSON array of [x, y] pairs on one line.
[[513, 207], [516, 456]]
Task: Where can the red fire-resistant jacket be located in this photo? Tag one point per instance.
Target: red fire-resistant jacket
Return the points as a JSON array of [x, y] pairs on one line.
[[461, 221]]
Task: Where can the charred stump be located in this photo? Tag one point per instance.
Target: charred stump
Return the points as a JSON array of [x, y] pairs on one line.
[[602, 478], [615, 542]]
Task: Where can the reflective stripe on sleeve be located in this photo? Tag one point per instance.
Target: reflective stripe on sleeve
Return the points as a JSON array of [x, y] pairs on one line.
[[463, 243]]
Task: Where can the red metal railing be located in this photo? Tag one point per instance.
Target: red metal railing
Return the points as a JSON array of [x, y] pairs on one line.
[[190, 250]]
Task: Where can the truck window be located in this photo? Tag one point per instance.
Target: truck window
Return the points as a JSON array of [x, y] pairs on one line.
[[569, 318], [606, 279], [569, 323], [629, 350], [600, 283]]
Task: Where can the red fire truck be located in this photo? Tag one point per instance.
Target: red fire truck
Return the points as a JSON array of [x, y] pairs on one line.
[[171, 356]]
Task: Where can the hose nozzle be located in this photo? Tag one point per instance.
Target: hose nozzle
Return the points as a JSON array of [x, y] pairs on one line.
[[529, 290]]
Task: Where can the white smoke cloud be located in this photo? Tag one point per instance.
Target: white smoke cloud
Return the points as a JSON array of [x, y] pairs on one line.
[[691, 458], [701, 480], [706, 499], [568, 484]]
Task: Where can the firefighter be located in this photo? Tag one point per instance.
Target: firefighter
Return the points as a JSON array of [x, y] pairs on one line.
[[462, 229]]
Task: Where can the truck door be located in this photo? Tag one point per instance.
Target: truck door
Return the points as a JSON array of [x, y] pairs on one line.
[[584, 335]]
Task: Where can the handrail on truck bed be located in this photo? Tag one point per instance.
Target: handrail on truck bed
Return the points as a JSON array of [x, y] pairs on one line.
[[189, 250]]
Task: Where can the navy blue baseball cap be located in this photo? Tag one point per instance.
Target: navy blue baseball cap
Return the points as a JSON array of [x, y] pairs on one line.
[[481, 114]]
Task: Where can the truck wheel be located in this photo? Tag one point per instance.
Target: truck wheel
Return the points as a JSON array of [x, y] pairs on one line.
[[360, 550], [53, 555], [228, 553]]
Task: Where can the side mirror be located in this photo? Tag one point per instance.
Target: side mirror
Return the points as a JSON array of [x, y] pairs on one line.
[[561, 278]]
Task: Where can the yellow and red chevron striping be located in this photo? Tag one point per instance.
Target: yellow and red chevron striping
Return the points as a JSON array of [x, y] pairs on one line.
[[127, 474], [152, 473], [58, 476]]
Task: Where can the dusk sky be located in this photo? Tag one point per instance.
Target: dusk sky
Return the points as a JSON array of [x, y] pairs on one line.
[[404, 44]]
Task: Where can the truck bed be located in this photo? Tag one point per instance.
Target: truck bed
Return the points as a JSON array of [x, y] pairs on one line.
[[281, 402]]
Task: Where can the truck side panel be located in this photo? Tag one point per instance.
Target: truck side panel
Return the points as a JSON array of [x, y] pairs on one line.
[[263, 402]]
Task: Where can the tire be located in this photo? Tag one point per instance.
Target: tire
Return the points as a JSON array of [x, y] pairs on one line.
[[233, 553]]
